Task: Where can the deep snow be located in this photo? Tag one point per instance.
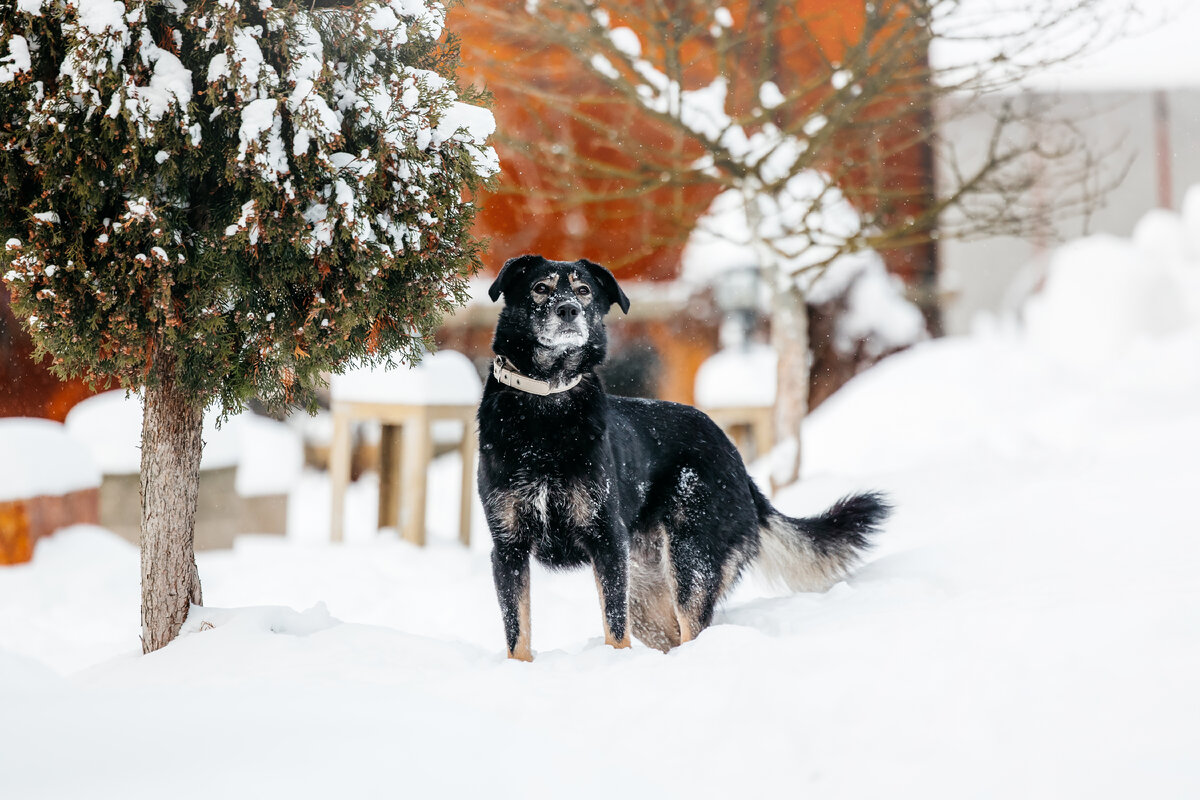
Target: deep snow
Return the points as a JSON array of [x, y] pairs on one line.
[[1029, 625]]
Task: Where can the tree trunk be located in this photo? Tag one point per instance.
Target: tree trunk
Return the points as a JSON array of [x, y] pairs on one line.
[[789, 338], [171, 448]]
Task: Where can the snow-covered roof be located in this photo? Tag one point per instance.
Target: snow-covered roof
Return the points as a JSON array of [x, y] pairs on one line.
[[443, 378], [42, 459]]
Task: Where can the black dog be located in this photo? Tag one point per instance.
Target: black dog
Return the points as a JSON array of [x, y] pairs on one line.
[[652, 494]]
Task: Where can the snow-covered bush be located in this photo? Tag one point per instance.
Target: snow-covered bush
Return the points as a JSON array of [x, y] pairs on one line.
[[253, 190]]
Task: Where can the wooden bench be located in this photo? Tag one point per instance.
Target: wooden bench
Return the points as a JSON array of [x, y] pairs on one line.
[[405, 453]]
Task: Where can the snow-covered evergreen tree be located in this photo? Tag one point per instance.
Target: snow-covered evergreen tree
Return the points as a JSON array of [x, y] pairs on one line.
[[222, 199]]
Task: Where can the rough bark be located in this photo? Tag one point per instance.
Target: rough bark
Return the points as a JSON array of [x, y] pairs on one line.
[[171, 449], [789, 337]]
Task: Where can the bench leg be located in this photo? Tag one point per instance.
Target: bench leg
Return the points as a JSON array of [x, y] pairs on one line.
[[339, 474], [389, 476], [764, 436], [467, 501], [414, 468]]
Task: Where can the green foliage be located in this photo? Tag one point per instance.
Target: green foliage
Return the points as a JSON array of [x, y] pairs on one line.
[[242, 193]]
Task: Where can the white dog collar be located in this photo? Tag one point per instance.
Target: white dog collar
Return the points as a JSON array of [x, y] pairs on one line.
[[510, 377]]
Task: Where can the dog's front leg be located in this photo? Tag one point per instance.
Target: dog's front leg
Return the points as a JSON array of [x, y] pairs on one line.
[[611, 566], [510, 570]]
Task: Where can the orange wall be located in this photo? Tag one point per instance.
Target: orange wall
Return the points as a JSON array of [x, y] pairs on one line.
[[522, 217], [27, 388]]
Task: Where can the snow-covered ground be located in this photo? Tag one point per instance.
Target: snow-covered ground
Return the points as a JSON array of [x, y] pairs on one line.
[[1029, 625]]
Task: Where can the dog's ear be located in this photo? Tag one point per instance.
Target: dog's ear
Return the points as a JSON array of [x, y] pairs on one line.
[[511, 270], [607, 282]]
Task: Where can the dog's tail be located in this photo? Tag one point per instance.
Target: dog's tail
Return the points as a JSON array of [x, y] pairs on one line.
[[810, 554]]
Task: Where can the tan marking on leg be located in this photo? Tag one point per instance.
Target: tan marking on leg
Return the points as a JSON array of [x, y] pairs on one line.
[[652, 593], [685, 626], [528, 502], [505, 504], [652, 615], [524, 649], [731, 571], [609, 638], [689, 619], [581, 506], [683, 618]]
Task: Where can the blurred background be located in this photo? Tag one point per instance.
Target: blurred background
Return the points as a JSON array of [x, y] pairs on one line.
[[948, 250], [591, 169]]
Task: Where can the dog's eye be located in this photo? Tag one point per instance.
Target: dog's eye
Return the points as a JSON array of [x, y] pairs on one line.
[[541, 288], [583, 291]]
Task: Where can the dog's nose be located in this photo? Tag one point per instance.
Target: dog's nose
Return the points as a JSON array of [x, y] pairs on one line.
[[567, 310]]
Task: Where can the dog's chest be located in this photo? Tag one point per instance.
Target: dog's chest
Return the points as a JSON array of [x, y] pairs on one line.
[[538, 508]]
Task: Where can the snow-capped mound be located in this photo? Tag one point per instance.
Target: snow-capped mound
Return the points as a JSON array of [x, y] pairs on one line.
[[110, 425], [877, 313], [1103, 294], [269, 455], [1163, 234]]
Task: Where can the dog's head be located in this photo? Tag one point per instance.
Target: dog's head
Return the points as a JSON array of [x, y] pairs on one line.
[[553, 318]]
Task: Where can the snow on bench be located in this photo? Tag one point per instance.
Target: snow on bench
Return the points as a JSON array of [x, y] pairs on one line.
[[443, 378], [431, 401]]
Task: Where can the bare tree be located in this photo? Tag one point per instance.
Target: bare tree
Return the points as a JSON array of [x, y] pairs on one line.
[[797, 107]]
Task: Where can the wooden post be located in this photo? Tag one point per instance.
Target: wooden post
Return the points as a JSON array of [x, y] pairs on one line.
[[389, 476], [339, 471], [1162, 149], [764, 436], [417, 453], [467, 448]]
